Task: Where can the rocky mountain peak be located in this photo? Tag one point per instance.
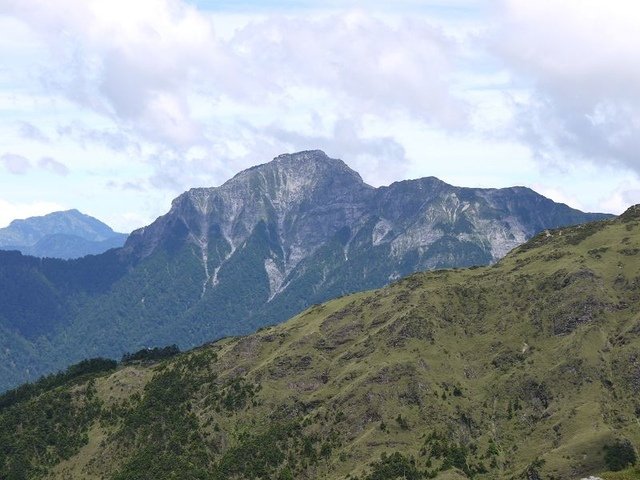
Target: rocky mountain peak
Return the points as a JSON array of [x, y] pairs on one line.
[[278, 193], [314, 162], [288, 178], [291, 176], [307, 200]]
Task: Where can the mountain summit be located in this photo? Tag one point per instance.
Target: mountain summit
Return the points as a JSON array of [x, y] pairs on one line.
[[306, 201], [66, 234], [278, 193], [254, 251]]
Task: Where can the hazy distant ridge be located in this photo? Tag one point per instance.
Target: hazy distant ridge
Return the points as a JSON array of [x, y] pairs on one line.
[[66, 234]]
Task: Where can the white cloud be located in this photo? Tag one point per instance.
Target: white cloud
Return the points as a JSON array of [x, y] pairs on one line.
[[52, 165], [369, 65], [627, 193], [558, 195], [126, 222], [19, 165], [31, 132], [194, 107], [579, 58], [115, 139], [155, 96], [142, 63], [15, 164], [10, 211]]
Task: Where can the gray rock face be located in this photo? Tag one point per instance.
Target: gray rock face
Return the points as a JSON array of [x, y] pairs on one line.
[[308, 199], [67, 234]]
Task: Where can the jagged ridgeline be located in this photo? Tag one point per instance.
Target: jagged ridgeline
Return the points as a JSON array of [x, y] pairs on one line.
[[262, 247], [528, 369]]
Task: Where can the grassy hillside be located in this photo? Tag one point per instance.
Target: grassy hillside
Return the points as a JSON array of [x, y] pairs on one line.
[[527, 369]]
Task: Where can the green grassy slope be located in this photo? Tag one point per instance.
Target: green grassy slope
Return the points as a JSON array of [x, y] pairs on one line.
[[526, 369]]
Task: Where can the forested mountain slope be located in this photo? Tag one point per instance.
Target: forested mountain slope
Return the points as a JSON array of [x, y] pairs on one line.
[[526, 369]]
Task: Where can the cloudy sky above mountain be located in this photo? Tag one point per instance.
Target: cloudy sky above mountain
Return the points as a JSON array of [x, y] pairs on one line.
[[115, 107]]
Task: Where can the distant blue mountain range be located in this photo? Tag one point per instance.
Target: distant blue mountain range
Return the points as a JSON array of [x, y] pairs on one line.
[[66, 235]]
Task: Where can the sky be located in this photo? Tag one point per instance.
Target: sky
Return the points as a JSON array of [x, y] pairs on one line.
[[116, 107]]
